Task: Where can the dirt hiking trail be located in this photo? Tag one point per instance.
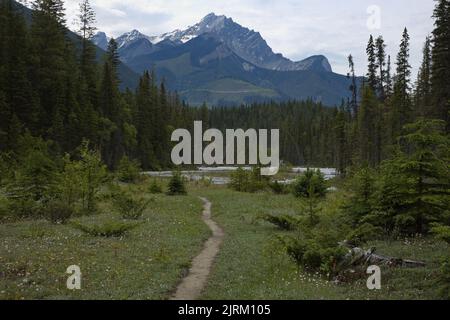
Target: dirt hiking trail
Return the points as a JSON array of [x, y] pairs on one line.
[[192, 285]]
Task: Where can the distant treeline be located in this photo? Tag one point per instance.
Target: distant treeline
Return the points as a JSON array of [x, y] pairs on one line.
[[56, 90]]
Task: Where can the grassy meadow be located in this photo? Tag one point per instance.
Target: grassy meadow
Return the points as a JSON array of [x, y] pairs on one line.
[[150, 260]]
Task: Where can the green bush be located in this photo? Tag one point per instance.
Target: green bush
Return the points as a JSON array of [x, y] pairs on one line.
[[361, 187], [444, 280], [23, 208], [295, 249], [177, 185], [284, 222], [311, 184], [313, 256], [364, 233], [107, 230], [155, 187], [239, 180], [58, 211], [441, 232], [128, 171], [34, 177], [414, 182], [94, 175], [248, 181], [278, 188], [6, 165], [129, 207]]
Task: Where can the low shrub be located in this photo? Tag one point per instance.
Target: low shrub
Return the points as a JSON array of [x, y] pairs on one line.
[[107, 230], [248, 181], [284, 222], [128, 170], [129, 207], [313, 256], [441, 232], [23, 208], [278, 188], [444, 280], [58, 212], [311, 184], [364, 233], [155, 188], [177, 185]]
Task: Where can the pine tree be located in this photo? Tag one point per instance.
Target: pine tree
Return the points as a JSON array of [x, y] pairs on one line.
[[388, 86], [49, 59], [401, 103], [145, 122], [372, 65], [423, 87], [368, 129], [341, 140], [14, 61], [353, 86], [441, 63], [88, 67], [417, 180], [381, 64], [176, 185], [111, 109]]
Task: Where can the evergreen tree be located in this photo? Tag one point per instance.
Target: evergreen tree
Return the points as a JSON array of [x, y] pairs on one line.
[[423, 87], [389, 85], [145, 121], [372, 65], [88, 68], [49, 60], [441, 63], [111, 109], [353, 87], [416, 182], [369, 129], [401, 103], [177, 185], [341, 139], [14, 61], [381, 64]]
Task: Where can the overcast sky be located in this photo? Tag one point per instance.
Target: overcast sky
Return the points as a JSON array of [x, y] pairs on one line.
[[295, 28]]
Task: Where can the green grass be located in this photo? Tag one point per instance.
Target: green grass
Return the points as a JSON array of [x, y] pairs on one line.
[[146, 263], [253, 265]]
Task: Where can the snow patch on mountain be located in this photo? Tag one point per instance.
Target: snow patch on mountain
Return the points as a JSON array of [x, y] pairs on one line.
[[130, 37], [247, 44]]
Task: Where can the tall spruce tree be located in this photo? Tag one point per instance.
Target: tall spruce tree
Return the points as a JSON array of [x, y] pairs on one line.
[[87, 85], [353, 86], [86, 22], [372, 65], [144, 122], [388, 85], [416, 182], [14, 62], [401, 111], [422, 103], [381, 64], [49, 62], [368, 129], [111, 109], [440, 84]]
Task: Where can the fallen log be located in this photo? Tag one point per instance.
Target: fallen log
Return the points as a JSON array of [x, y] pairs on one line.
[[358, 256]]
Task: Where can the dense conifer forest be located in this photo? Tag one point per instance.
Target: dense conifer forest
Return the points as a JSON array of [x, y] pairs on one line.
[[74, 142]]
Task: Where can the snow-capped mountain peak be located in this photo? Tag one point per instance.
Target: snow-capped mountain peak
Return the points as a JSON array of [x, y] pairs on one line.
[[130, 37], [246, 43]]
